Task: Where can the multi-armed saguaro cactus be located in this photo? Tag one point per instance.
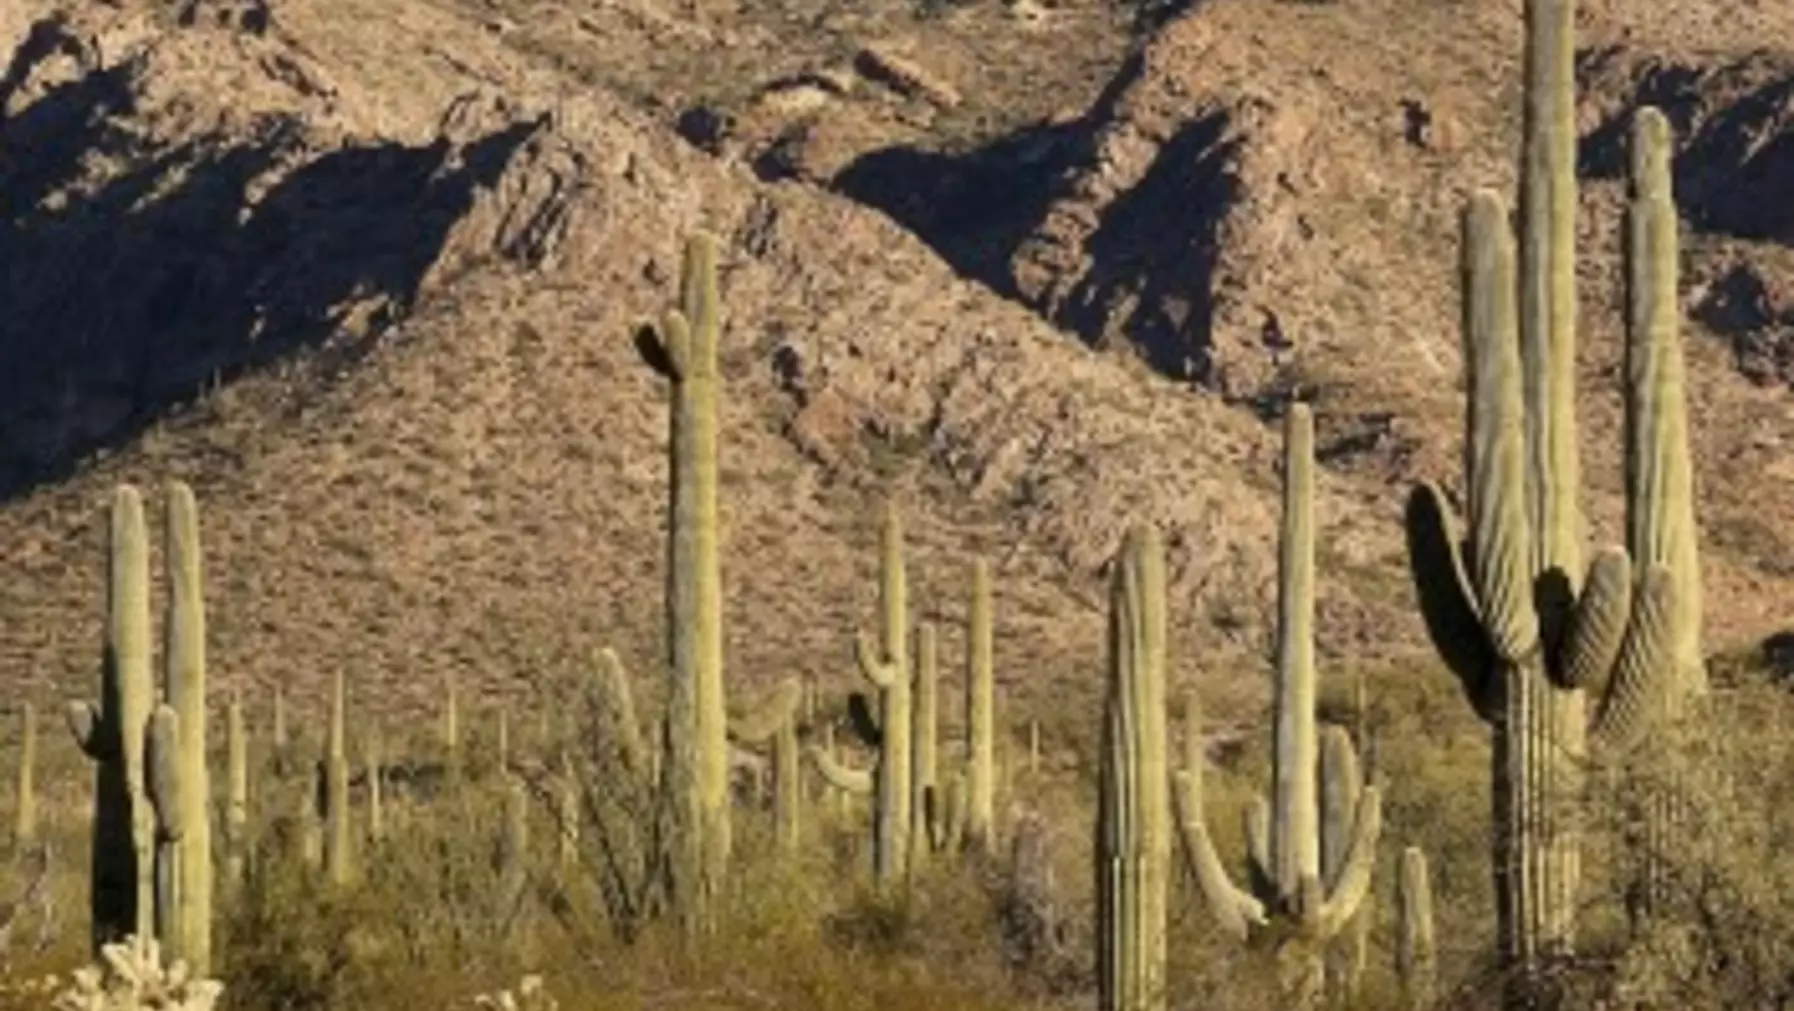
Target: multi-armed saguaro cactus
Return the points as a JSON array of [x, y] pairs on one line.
[[886, 666], [1509, 608], [1289, 880], [697, 760], [1133, 835], [115, 734]]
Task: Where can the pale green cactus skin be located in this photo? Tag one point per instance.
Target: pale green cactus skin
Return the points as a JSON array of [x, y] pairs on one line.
[[113, 733], [24, 825], [1416, 953], [981, 718], [1288, 880], [338, 816], [697, 760], [184, 687], [1133, 843], [167, 793], [374, 759], [1510, 608], [926, 808]]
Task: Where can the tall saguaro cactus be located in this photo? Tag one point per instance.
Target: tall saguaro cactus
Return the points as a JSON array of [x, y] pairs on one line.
[[24, 825], [1133, 835], [184, 687], [1290, 881], [981, 720], [1509, 608], [113, 733], [697, 768]]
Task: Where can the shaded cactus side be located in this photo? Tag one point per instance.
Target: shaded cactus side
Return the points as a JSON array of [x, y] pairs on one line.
[[1133, 836]]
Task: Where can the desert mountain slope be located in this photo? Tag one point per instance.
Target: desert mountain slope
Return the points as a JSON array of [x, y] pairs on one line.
[[405, 248]]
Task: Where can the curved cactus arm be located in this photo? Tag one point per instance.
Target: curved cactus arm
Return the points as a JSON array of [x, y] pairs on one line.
[[1347, 888], [760, 725], [874, 666], [675, 342], [840, 776], [1500, 533], [1237, 910], [1598, 625], [1447, 599], [1644, 663]]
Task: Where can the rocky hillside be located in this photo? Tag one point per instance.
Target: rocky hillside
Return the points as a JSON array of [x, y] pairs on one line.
[[371, 275]]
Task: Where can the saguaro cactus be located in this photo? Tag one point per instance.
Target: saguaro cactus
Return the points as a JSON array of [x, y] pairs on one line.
[[777, 721], [1290, 881], [184, 685], [927, 803], [1508, 608], [24, 825], [1133, 835], [166, 792], [1416, 958], [886, 667], [339, 834], [981, 718], [113, 732], [236, 809], [697, 716]]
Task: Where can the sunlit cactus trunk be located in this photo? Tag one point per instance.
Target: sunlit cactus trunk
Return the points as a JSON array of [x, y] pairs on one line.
[[24, 825], [696, 769], [184, 687], [1133, 836], [981, 719]]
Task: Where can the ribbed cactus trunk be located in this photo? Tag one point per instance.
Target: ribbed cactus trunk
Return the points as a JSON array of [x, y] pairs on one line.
[[114, 732], [981, 719], [926, 802], [696, 769], [24, 825], [167, 792], [1133, 835], [184, 685]]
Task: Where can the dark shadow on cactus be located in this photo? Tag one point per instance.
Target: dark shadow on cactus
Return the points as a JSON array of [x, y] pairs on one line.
[[653, 353], [126, 299], [1729, 179]]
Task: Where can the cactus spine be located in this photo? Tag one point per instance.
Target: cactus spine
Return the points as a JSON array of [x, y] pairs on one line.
[[24, 826], [1290, 881], [981, 719], [697, 718], [1133, 853]]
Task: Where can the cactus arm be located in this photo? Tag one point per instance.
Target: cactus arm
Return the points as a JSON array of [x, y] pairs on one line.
[[839, 775], [1500, 537], [1643, 667], [1598, 627], [761, 724], [1237, 910], [878, 670], [618, 699], [1447, 600], [1347, 888]]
